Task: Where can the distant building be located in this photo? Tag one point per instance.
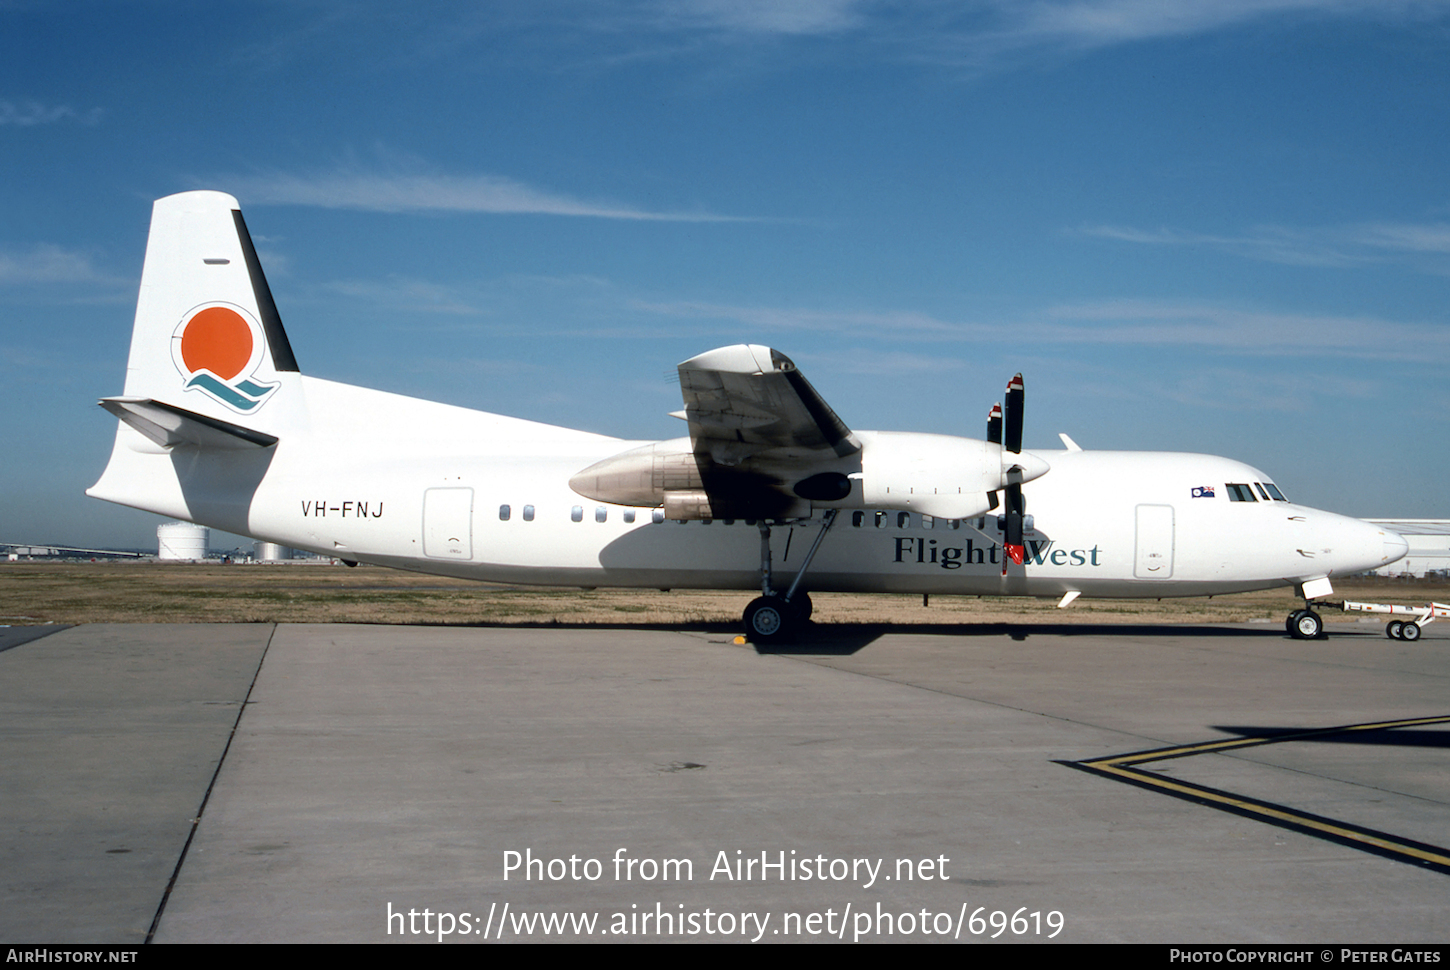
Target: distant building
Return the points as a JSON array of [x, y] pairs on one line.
[[271, 552], [181, 541], [1429, 541]]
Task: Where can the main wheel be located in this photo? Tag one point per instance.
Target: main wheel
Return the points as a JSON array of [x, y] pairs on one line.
[[1393, 628], [768, 619], [1292, 622], [1309, 626], [1410, 631]]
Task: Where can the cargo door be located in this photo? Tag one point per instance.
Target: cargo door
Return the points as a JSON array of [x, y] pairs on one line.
[[1154, 558], [448, 523]]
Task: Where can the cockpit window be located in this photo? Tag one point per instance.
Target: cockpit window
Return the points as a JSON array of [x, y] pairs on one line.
[[1265, 494], [1240, 493], [1274, 491]]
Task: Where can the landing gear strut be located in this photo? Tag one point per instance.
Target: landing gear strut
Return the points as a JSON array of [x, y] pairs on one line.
[[771, 617]]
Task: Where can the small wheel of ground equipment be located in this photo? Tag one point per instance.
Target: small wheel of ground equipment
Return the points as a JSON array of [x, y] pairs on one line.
[[1393, 628], [1410, 631]]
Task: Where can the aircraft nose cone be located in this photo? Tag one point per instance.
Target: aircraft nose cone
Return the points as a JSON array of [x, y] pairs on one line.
[[1395, 546], [1364, 545]]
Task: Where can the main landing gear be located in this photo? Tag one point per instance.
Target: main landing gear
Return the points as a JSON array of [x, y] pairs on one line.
[[771, 617]]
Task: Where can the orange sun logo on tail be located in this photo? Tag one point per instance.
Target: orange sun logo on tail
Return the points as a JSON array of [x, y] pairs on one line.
[[218, 348]]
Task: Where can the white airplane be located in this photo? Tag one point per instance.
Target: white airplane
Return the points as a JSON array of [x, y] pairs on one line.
[[219, 426]]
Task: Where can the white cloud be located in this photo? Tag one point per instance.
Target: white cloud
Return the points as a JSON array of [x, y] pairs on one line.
[[1133, 322], [435, 193], [406, 295], [765, 16], [1011, 23], [1333, 246], [795, 318], [1006, 27], [1402, 237], [1231, 390], [29, 113], [975, 35], [1096, 23], [1236, 331], [46, 263], [885, 363]]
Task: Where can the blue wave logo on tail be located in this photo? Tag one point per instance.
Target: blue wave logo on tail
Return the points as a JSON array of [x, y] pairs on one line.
[[218, 348]]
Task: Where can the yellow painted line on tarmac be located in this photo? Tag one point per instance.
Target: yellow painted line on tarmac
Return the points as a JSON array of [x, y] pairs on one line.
[[1123, 767]]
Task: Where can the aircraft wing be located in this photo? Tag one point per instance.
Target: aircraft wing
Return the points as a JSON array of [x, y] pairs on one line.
[[763, 444], [750, 401]]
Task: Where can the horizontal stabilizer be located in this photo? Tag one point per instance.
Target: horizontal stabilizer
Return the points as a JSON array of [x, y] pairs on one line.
[[169, 425]]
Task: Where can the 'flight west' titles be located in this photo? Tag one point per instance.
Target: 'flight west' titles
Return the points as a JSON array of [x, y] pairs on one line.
[[912, 549]]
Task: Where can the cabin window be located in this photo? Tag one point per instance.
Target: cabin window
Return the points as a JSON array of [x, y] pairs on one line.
[[628, 515], [657, 516], [503, 513], [600, 514], [528, 513], [577, 513], [1240, 493], [927, 522], [880, 520], [903, 520], [1274, 491], [858, 519]]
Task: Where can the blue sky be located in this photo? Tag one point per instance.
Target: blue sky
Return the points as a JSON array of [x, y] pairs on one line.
[[1206, 226]]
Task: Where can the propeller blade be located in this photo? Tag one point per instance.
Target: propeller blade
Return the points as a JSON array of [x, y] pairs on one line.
[[1013, 547], [1012, 425], [994, 425]]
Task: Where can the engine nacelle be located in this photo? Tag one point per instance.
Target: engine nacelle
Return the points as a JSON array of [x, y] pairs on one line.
[[938, 475], [642, 476]]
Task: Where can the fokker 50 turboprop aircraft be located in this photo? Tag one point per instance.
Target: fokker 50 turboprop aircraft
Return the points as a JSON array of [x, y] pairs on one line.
[[220, 427]]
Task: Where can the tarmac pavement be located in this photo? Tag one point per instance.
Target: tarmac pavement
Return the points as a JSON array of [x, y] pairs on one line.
[[893, 782]]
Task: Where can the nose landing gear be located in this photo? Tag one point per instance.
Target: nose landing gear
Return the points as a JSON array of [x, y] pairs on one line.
[[1305, 624]]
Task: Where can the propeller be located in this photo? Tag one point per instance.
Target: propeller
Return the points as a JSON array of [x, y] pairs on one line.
[[1005, 429]]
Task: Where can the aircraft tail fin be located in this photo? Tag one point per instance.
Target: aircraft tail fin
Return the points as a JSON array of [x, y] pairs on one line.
[[211, 382], [207, 331]]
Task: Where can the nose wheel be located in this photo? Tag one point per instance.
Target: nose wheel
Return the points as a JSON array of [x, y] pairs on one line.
[[1304, 625]]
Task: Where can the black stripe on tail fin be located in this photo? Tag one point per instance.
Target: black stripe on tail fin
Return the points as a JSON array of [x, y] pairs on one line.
[[282, 356]]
